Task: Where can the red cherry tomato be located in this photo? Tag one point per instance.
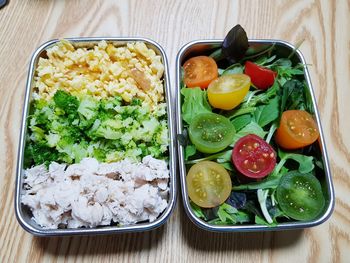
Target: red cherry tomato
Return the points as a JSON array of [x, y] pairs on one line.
[[262, 78], [253, 157]]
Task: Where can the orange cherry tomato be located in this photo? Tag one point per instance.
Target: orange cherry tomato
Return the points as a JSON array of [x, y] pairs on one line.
[[200, 71], [297, 129]]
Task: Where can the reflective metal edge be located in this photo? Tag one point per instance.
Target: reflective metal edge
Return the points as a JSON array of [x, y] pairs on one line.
[[30, 225], [182, 169]]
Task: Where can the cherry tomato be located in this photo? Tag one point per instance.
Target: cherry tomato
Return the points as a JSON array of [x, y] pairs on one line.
[[200, 71], [228, 91], [262, 78], [300, 196], [253, 157], [297, 129], [208, 184], [211, 132]]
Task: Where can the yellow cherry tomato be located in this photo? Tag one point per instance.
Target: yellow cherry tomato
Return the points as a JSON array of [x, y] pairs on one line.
[[208, 184], [228, 91]]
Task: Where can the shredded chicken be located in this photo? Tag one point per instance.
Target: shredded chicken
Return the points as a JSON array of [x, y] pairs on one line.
[[90, 193]]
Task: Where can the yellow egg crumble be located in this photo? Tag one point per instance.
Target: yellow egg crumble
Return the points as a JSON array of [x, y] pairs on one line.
[[129, 71]]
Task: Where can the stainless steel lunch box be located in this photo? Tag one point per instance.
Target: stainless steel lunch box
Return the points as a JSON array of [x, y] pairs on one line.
[[24, 215], [284, 49]]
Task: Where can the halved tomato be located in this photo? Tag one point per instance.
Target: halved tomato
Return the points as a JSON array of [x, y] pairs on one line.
[[300, 196], [211, 132], [228, 91], [297, 129], [208, 184], [262, 78], [200, 71], [253, 157]]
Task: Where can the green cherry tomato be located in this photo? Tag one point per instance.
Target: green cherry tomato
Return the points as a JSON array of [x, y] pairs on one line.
[[300, 196], [211, 132]]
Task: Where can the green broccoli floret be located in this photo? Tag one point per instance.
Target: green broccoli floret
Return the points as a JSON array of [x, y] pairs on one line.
[[74, 150], [37, 135], [66, 102], [88, 107], [99, 154], [136, 102], [39, 153], [109, 129]]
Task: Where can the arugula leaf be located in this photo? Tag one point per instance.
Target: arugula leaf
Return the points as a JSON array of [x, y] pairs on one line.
[[217, 221], [233, 69], [225, 156], [251, 128], [225, 215], [242, 217], [190, 150], [228, 166], [260, 221], [262, 98], [238, 112], [258, 50], [195, 102], [293, 96], [286, 71], [241, 121], [197, 211], [266, 114], [305, 162], [281, 63], [270, 182], [230, 215], [262, 61]]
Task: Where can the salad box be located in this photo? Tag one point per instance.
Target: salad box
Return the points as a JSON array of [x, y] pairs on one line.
[[23, 213], [282, 50]]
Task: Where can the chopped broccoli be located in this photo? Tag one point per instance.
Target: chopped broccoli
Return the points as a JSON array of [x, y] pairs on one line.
[[88, 107], [136, 102], [66, 102], [39, 153], [68, 128]]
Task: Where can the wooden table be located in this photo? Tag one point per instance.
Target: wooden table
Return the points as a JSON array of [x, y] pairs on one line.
[[324, 26]]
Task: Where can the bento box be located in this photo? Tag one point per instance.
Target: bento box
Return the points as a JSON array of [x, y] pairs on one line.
[[143, 191], [232, 215]]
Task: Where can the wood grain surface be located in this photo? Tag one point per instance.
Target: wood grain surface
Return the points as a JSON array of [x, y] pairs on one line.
[[324, 26]]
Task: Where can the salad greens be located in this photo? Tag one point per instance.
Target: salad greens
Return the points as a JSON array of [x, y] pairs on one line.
[[69, 128], [195, 100], [259, 114]]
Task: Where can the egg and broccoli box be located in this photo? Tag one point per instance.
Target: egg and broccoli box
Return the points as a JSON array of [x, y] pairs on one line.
[[96, 148]]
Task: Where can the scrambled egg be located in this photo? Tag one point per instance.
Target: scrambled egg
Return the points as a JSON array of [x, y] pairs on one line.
[[129, 71]]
